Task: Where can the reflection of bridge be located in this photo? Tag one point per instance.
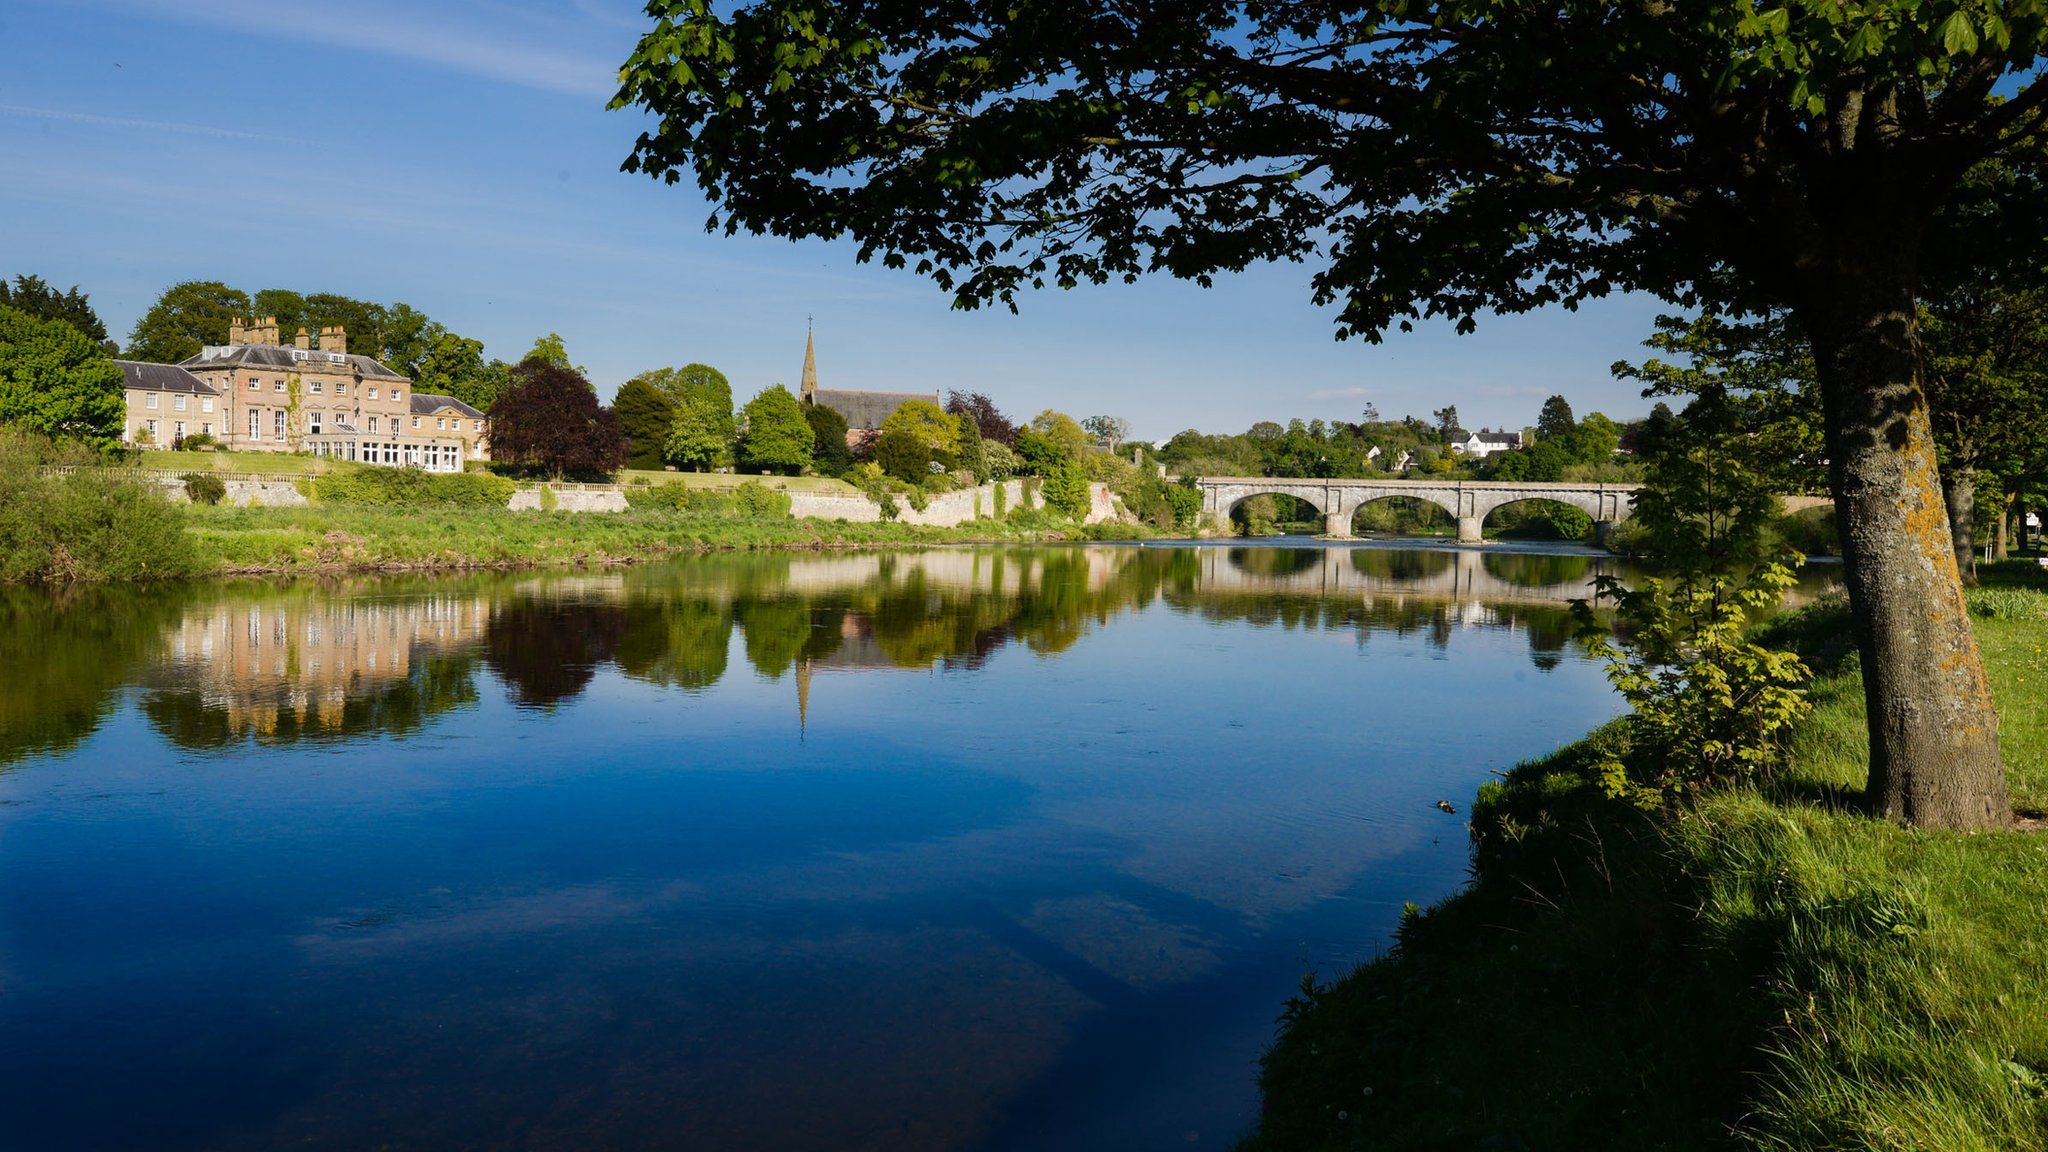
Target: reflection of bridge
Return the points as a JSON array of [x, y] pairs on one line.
[[1445, 574], [1468, 500]]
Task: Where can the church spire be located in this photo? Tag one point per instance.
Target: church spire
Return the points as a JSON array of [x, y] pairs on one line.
[[803, 694], [807, 390]]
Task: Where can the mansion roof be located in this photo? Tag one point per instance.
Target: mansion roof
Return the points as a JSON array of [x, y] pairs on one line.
[[428, 403], [288, 358], [147, 377]]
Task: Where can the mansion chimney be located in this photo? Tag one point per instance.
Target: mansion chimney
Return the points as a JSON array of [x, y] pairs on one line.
[[302, 340], [237, 334], [333, 338]]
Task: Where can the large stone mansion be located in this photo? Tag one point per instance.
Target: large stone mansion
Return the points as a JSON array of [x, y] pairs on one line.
[[255, 393]]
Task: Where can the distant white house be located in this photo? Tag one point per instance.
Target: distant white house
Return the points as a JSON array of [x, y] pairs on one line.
[[1484, 443], [1401, 465]]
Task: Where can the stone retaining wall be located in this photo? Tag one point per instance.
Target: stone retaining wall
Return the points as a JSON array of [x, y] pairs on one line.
[[580, 498], [946, 510]]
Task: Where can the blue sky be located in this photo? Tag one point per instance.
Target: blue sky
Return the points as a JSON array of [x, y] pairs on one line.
[[458, 157]]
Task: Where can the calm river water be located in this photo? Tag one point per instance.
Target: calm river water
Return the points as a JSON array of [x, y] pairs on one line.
[[959, 849]]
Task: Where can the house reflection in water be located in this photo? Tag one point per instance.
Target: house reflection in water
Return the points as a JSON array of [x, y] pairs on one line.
[[308, 666]]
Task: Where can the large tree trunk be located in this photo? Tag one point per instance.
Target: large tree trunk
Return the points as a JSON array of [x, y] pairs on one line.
[[2001, 528], [1959, 494], [1934, 758]]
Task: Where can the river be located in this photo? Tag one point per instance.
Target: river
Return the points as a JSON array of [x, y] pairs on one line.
[[1014, 848]]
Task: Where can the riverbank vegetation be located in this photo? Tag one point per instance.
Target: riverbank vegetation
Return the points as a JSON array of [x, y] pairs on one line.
[[1767, 967]]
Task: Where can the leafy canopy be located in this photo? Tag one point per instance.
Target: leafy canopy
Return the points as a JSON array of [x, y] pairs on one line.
[[56, 381], [645, 416], [1432, 159], [187, 317], [775, 435], [550, 420], [37, 298]]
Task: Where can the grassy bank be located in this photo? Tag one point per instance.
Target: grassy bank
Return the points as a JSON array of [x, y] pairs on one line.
[[1772, 970], [325, 539]]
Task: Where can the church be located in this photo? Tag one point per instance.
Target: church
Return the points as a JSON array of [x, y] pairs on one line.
[[864, 411]]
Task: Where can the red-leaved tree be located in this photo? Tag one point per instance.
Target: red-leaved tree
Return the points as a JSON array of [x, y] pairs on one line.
[[549, 419]]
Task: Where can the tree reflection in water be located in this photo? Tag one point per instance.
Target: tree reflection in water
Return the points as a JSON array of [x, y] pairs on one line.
[[225, 664]]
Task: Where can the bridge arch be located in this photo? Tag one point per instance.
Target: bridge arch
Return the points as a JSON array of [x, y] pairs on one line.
[[1389, 503], [1528, 516]]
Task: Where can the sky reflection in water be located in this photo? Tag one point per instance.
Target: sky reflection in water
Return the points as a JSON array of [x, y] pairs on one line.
[[1015, 848]]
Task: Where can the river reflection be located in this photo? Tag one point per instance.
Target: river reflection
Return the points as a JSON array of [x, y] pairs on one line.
[[965, 848]]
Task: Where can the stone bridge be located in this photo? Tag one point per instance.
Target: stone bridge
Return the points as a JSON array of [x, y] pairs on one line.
[[1468, 500]]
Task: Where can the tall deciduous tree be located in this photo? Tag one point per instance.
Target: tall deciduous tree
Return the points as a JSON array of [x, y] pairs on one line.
[[1109, 431], [1435, 159], [695, 439], [646, 417], [56, 381], [701, 385], [829, 450], [775, 435], [988, 419], [550, 419], [551, 349], [187, 317], [917, 435], [1062, 430], [33, 296]]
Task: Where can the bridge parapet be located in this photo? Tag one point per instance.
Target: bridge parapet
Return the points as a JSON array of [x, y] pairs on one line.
[[1470, 501]]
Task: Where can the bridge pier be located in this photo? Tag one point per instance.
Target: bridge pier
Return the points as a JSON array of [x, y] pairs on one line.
[[1602, 529], [1337, 525], [1468, 529]]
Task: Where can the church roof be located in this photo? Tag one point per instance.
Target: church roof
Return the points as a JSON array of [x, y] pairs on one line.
[[865, 410]]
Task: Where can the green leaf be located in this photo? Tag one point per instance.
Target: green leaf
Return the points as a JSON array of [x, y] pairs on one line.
[[1958, 35]]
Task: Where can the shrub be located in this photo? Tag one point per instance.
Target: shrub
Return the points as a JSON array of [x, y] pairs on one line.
[[658, 497], [1710, 705], [412, 488], [1568, 523], [1184, 500], [203, 442], [96, 524], [1066, 491], [204, 488], [756, 499]]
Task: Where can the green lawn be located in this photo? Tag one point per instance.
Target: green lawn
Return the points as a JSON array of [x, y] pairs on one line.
[[328, 538], [734, 480], [283, 463], [1769, 970]]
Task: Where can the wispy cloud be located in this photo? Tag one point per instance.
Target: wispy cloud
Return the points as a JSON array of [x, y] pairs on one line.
[[66, 116], [477, 47]]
